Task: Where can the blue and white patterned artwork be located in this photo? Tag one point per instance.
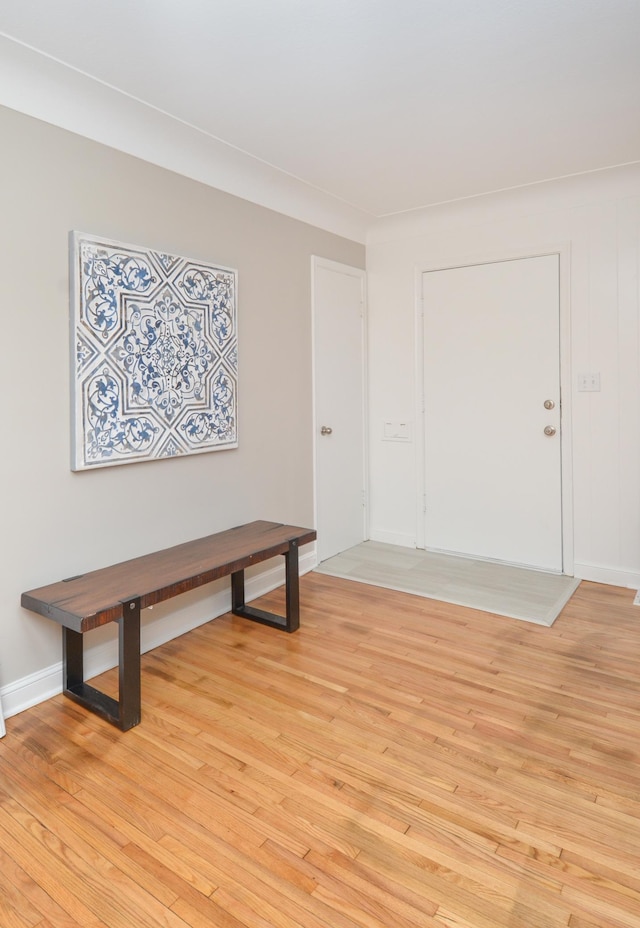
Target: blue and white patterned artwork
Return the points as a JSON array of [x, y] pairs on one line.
[[155, 354]]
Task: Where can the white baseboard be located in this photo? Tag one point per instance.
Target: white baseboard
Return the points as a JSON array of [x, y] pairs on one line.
[[42, 685], [608, 575], [392, 538]]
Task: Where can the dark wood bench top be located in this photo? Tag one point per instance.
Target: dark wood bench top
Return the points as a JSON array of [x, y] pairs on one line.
[[95, 598]]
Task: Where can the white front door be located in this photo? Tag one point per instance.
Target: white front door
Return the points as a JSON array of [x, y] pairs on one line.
[[338, 340], [492, 411]]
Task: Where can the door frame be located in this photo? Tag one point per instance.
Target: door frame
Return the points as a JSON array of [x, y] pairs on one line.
[[335, 266], [563, 251]]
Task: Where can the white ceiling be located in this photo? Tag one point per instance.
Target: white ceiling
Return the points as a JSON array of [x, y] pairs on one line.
[[387, 105]]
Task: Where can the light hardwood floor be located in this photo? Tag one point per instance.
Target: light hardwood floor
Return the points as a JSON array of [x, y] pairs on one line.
[[397, 763]]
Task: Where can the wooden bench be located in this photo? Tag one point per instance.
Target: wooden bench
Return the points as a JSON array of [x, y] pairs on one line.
[[119, 593]]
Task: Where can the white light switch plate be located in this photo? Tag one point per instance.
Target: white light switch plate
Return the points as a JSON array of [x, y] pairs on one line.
[[396, 431], [589, 383]]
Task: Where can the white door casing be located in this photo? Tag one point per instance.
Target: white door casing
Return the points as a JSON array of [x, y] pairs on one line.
[[338, 309], [492, 477]]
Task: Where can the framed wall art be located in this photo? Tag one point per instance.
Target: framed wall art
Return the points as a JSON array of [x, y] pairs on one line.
[[154, 349]]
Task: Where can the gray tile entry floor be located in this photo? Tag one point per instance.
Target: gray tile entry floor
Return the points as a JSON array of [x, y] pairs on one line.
[[517, 592]]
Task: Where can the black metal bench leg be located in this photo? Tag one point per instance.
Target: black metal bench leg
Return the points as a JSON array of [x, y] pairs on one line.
[[237, 592], [129, 664], [292, 588], [125, 711], [72, 659], [288, 623]]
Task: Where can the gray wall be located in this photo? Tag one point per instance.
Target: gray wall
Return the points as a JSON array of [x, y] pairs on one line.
[[56, 523]]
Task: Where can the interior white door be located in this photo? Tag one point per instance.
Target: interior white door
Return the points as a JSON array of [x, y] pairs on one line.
[[338, 332], [492, 411]]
